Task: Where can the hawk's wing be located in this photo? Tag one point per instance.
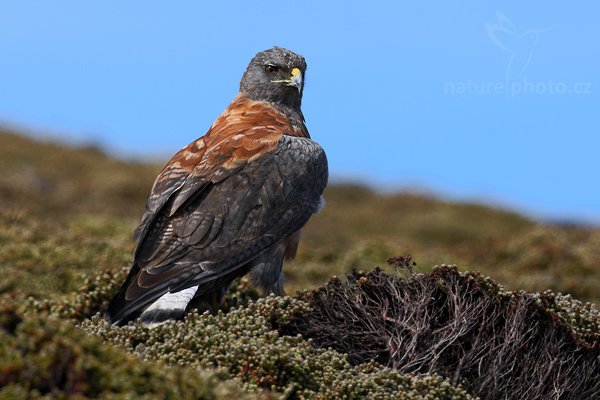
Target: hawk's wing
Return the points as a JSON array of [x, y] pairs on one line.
[[235, 203]]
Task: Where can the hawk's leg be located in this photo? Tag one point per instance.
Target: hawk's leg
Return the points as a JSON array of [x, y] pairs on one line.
[[213, 301], [209, 301], [265, 270]]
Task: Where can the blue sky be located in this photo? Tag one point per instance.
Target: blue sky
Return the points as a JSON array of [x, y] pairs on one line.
[[476, 100]]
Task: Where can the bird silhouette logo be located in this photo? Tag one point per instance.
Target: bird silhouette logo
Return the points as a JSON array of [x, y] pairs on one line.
[[520, 46]]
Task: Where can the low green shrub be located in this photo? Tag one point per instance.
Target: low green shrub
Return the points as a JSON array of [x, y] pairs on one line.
[[44, 356]]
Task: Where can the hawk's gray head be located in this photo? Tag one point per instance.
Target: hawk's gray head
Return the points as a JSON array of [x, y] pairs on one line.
[[275, 75]]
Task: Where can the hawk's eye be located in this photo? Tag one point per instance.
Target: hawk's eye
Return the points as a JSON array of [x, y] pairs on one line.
[[270, 68]]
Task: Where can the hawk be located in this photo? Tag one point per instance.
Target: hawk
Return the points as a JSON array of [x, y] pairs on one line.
[[231, 203]]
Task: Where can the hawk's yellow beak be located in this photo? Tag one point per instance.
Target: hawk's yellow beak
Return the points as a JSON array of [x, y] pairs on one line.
[[295, 80]]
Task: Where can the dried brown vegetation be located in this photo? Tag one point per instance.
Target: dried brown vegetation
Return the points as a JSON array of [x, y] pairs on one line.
[[463, 326]]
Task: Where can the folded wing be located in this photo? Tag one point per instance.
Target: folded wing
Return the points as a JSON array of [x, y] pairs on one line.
[[217, 206]]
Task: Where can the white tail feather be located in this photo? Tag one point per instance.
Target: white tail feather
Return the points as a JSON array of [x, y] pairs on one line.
[[175, 302]]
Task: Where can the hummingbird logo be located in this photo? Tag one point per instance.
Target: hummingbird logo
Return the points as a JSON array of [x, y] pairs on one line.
[[520, 46]]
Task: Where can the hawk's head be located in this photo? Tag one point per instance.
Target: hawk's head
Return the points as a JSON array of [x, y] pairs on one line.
[[275, 75]]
